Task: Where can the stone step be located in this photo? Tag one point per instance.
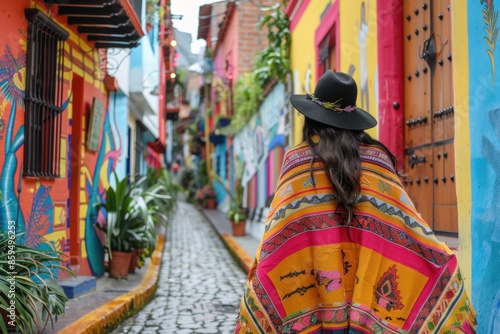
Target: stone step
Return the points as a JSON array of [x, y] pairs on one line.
[[75, 286]]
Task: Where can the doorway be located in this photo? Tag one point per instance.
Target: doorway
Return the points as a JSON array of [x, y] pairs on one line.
[[429, 113]]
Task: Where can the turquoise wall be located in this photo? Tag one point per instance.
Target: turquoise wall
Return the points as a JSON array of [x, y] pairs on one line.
[[484, 114]]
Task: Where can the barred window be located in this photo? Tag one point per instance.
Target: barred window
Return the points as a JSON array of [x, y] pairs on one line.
[[44, 94]]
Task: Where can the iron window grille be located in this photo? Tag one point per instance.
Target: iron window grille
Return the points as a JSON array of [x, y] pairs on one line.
[[44, 95]]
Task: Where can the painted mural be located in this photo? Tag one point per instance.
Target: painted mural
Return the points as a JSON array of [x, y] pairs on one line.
[[12, 74], [40, 207], [359, 58], [42, 224], [262, 134], [97, 178], [485, 163]]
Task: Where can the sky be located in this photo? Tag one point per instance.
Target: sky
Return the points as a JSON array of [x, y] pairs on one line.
[[189, 10]]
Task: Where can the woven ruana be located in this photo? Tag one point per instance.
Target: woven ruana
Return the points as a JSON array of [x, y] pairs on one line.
[[386, 273]]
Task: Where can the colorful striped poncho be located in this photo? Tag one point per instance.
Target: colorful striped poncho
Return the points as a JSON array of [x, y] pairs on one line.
[[386, 273]]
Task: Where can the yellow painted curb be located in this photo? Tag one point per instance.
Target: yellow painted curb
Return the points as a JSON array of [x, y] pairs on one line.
[[238, 252], [111, 314]]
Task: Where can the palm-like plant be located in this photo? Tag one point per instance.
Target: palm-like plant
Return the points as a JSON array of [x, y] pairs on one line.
[[236, 213], [131, 212], [127, 216], [28, 282], [160, 192]]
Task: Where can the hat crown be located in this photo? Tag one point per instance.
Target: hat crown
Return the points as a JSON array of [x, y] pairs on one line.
[[337, 87]]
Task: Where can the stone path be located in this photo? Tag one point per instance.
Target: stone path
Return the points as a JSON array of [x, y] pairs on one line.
[[200, 284]]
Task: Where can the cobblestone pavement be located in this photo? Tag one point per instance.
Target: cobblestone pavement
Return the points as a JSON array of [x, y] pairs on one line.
[[200, 284]]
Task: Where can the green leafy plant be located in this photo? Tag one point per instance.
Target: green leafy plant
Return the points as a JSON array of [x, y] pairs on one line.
[[274, 61], [236, 213], [30, 284], [160, 193], [130, 214], [247, 98], [271, 63]]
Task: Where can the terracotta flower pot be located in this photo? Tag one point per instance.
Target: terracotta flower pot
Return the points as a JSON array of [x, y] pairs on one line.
[[119, 264], [239, 229], [211, 203], [133, 262]]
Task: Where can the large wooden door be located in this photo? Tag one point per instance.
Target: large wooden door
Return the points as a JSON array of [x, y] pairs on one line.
[[429, 112]]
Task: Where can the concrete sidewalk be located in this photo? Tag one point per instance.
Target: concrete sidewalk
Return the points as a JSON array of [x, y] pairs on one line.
[[113, 300]]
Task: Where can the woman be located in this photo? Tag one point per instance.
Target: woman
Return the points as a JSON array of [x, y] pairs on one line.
[[345, 250]]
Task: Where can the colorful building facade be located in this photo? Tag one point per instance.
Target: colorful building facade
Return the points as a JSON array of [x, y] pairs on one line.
[[58, 155], [427, 72]]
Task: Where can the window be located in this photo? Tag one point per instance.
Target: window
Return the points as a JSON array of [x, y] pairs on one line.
[[44, 94], [326, 37], [327, 56]]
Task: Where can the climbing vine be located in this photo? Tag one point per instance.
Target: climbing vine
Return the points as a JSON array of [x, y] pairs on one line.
[[272, 62]]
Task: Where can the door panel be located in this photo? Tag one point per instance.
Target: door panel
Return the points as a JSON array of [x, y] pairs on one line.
[[429, 113]]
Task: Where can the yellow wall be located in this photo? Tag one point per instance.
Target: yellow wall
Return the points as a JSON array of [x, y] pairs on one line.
[[462, 139], [303, 54], [303, 57], [350, 50]]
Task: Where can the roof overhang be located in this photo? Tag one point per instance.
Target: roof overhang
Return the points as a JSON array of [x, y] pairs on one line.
[[106, 23]]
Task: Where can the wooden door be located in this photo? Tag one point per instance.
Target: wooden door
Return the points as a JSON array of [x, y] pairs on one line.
[[429, 112]]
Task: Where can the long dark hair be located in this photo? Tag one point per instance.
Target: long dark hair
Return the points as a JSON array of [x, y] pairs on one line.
[[339, 150]]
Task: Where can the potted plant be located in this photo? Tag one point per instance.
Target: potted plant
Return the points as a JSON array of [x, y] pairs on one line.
[[129, 220], [210, 196], [236, 214], [206, 197], [29, 292]]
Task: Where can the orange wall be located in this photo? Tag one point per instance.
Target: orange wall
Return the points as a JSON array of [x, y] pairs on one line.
[[45, 203]]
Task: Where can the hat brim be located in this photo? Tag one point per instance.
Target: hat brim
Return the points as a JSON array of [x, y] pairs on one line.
[[358, 119]]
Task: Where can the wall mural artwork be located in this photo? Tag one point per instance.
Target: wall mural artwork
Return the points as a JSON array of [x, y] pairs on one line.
[[261, 131], [37, 229], [97, 181], [490, 19], [363, 58], [484, 119], [491, 227], [12, 78]]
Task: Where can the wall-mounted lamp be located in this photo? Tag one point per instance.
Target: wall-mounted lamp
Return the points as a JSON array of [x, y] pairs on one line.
[[173, 43], [172, 75]]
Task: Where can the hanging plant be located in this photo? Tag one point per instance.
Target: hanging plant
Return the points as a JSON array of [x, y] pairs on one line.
[[273, 62]]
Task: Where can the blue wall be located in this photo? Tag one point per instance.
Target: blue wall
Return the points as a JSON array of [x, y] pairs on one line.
[[484, 114]]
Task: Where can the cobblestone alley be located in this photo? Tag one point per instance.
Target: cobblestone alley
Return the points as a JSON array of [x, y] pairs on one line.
[[200, 284]]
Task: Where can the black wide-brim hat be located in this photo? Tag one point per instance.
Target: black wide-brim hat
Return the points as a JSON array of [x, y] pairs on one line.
[[334, 103]]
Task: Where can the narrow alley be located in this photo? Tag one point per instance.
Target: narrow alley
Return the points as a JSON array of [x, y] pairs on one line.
[[200, 284]]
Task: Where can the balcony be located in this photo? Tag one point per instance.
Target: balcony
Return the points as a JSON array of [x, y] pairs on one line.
[[107, 23]]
